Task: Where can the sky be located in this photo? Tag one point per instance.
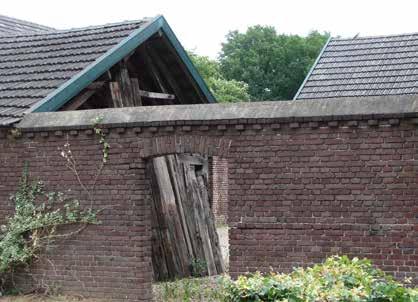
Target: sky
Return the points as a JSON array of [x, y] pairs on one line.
[[202, 25]]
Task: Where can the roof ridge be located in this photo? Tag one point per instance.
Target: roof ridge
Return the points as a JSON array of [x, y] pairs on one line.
[[79, 29], [374, 37], [110, 24], [385, 61], [22, 22], [31, 84]]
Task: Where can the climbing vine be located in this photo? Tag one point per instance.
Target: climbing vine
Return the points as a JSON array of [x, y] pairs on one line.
[[40, 215], [102, 137]]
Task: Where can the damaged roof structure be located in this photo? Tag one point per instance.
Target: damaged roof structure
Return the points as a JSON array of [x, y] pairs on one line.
[[115, 65], [364, 66]]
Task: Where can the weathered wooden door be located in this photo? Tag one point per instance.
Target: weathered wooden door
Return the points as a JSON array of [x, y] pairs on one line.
[[184, 238]]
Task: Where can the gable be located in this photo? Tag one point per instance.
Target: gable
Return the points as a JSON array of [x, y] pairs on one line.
[[42, 72], [369, 66]]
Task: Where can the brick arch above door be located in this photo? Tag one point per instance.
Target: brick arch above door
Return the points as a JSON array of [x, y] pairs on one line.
[[177, 144]]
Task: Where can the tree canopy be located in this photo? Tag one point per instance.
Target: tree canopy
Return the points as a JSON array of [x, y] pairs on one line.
[[224, 90], [273, 65]]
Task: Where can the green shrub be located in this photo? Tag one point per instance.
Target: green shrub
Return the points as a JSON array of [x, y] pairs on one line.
[[338, 279]]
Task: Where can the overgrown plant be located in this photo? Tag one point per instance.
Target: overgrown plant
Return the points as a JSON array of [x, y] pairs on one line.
[[34, 225], [71, 162], [102, 138], [189, 290], [199, 267], [40, 216], [338, 279]]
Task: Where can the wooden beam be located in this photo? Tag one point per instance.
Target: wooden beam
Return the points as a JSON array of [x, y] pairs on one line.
[[125, 86], [95, 85], [156, 95], [183, 67], [153, 69], [168, 76], [121, 87], [183, 226], [116, 94], [136, 92], [83, 97]]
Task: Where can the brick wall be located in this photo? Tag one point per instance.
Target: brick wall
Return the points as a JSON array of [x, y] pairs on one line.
[[302, 193], [111, 260], [219, 187], [300, 189]]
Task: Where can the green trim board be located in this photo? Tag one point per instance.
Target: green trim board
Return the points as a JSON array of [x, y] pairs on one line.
[[166, 29], [312, 68], [71, 88]]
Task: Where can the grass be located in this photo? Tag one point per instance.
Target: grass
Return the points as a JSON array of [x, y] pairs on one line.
[[184, 290], [188, 290], [42, 298]]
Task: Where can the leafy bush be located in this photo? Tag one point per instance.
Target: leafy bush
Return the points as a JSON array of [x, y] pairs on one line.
[[338, 279]]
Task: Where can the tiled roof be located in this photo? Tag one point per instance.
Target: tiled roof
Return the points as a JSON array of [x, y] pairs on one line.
[[32, 65], [10, 26], [366, 66]]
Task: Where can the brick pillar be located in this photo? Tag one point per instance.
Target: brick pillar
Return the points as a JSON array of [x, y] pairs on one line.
[[219, 188]]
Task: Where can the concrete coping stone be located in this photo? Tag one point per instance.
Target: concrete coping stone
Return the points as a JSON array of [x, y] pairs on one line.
[[234, 113]]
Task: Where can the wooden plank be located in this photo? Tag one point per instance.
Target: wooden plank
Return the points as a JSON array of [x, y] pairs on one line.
[[177, 247], [203, 180], [184, 68], [161, 264], [78, 101], [96, 85], [164, 70], [125, 86], [135, 92], [116, 94], [83, 97], [178, 186], [182, 220], [192, 159], [156, 95], [122, 90], [200, 216], [154, 71]]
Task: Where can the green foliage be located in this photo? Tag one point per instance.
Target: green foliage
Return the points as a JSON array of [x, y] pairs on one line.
[[199, 268], [338, 279], [34, 225], [188, 290], [102, 138], [224, 90], [273, 65]]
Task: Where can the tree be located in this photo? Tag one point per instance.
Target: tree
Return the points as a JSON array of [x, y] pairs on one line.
[[224, 90], [274, 65]]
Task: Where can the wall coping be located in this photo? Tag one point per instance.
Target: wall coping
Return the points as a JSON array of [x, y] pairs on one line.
[[306, 110]]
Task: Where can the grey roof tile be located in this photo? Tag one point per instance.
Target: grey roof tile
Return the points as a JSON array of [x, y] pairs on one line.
[[10, 25], [369, 66], [35, 60]]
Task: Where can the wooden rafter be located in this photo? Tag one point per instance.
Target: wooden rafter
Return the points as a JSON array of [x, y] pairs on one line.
[[153, 69], [168, 76], [124, 90], [83, 97], [157, 95], [184, 69]]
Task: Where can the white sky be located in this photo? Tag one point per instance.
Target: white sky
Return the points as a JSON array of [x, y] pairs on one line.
[[202, 25]]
